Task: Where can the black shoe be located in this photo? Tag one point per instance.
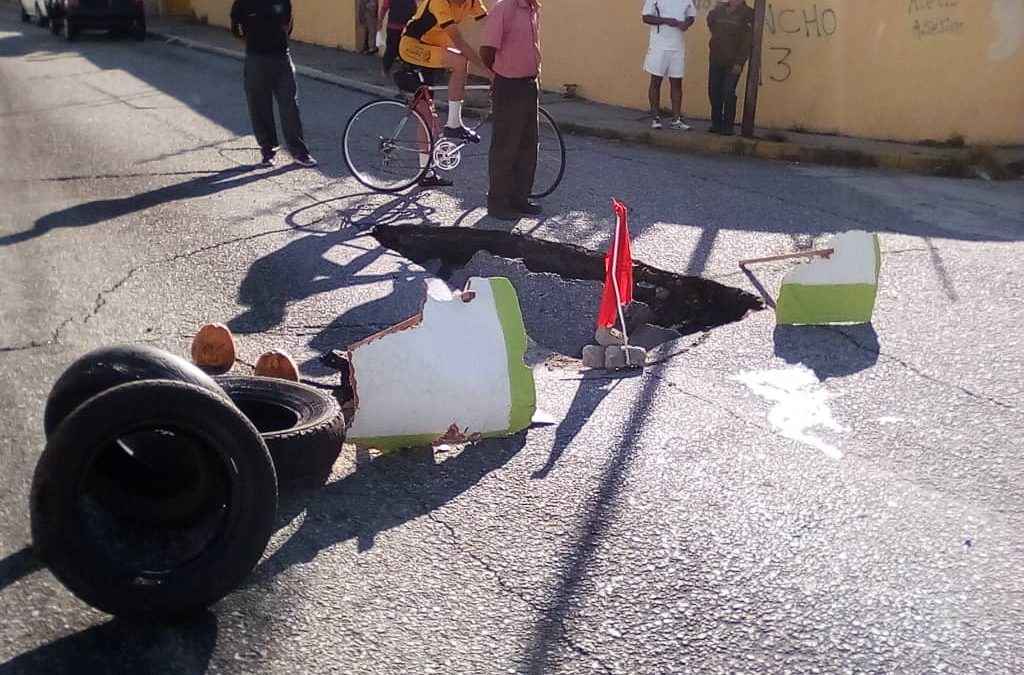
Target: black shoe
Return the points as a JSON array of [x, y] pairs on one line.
[[503, 214], [715, 129], [431, 179], [726, 131], [462, 134], [267, 157], [529, 207]]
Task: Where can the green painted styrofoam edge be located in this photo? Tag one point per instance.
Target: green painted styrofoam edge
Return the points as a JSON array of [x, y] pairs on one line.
[[522, 390], [822, 304]]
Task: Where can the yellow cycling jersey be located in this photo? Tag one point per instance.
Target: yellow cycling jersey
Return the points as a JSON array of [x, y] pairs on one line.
[[433, 16]]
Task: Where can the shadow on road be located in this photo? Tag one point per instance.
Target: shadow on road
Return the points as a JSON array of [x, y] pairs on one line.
[[17, 566], [90, 213], [381, 494], [123, 647], [830, 351]]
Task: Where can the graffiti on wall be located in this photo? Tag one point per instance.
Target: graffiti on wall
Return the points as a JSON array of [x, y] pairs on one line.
[[934, 18]]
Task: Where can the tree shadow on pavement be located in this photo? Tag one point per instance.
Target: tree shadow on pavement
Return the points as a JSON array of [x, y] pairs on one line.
[[83, 215], [122, 647], [382, 493], [830, 351], [591, 533]]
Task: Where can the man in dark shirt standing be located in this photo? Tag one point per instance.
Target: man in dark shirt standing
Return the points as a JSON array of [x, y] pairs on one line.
[[732, 28], [269, 74]]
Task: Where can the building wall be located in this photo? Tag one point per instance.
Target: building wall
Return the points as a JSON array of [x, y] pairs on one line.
[[890, 69]]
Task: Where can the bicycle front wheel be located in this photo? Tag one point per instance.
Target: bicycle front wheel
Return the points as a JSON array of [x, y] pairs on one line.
[[384, 142], [550, 156]]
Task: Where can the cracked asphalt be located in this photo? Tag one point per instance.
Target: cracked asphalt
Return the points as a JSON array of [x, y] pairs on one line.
[[760, 499]]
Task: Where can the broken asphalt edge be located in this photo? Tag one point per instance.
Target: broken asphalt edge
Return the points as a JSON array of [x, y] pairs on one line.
[[949, 164]]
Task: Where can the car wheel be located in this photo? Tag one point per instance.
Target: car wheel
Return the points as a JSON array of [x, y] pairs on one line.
[[302, 426], [130, 569]]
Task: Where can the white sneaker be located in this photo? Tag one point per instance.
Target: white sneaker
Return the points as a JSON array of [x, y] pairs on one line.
[[679, 124], [656, 123], [308, 161]]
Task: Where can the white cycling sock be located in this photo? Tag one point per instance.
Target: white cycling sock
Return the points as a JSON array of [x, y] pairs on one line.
[[454, 114]]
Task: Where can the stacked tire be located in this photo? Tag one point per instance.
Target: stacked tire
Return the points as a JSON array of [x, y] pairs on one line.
[[156, 494]]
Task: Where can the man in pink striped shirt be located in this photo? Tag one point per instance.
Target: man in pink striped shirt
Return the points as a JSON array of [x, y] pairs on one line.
[[510, 46]]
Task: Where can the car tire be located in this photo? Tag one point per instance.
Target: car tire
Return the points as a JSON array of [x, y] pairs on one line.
[[120, 570], [107, 367], [302, 426]]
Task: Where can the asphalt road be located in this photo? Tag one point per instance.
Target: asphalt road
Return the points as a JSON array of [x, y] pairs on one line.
[[759, 500]]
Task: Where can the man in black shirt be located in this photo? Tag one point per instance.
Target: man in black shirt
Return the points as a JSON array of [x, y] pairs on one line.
[[269, 74]]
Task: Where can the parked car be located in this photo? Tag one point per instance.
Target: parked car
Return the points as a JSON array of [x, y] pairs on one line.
[[35, 11], [68, 17]]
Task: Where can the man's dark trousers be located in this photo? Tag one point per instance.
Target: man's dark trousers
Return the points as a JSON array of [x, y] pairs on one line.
[[513, 158], [269, 77], [722, 93]]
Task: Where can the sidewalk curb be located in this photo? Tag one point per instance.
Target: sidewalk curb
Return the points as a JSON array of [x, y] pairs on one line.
[[951, 164]]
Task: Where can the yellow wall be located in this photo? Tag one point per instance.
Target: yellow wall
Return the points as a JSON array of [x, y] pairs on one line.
[[894, 69]]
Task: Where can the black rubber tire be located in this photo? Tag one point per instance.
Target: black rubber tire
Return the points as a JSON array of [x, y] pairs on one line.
[[108, 367], [165, 481], [302, 426], [84, 562], [545, 190]]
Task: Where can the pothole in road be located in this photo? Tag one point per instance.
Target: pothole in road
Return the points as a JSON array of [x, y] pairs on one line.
[[559, 285]]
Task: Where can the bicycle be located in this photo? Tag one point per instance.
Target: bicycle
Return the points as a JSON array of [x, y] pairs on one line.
[[385, 143]]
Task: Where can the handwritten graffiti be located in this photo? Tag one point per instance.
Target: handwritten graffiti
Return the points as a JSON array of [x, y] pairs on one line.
[[935, 17], [810, 23]]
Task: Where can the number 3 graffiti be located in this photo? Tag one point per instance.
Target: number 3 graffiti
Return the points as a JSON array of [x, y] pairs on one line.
[[786, 70]]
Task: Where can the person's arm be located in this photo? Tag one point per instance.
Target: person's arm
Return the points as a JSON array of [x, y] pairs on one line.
[[687, 22], [491, 36], [652, 17], [286, 16], [467, 49], [689, 16], [713, 18], [745, 42], [236, 19]]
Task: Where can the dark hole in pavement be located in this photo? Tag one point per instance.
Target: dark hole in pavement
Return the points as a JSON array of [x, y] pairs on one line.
[[559, 285]]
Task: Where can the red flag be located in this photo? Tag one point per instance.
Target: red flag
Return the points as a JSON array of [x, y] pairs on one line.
[[618, 270]]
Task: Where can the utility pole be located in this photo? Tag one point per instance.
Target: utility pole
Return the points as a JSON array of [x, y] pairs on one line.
[[753, 71]]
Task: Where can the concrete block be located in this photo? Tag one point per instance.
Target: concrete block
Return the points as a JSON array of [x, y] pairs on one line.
[[593, 356], [650, 336], [615, 357], [636, 357], [608, 336]]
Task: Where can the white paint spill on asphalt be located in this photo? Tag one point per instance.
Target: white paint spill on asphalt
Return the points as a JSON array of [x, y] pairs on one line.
[[801, 404]]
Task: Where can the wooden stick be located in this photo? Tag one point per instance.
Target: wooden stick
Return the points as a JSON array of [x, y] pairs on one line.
[[820, 253]]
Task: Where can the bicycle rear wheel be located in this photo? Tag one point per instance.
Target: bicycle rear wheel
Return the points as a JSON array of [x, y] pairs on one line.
[[383, 142], [550, 156]]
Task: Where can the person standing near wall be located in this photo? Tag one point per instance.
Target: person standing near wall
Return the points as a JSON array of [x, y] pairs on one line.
[[398, 12], [270, 74], [731, 23], [368, 21], [510, 46], [666, 54]]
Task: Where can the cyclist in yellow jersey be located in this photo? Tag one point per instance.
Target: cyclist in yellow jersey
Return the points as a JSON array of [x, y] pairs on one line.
[[433, 42]]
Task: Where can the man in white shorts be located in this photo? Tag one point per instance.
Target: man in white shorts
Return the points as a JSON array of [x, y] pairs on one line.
[[666, 55]]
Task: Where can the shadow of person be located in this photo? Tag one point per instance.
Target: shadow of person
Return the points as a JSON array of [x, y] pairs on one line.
[[830, 351], [121, 647], [381, 494], [90, 213]]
